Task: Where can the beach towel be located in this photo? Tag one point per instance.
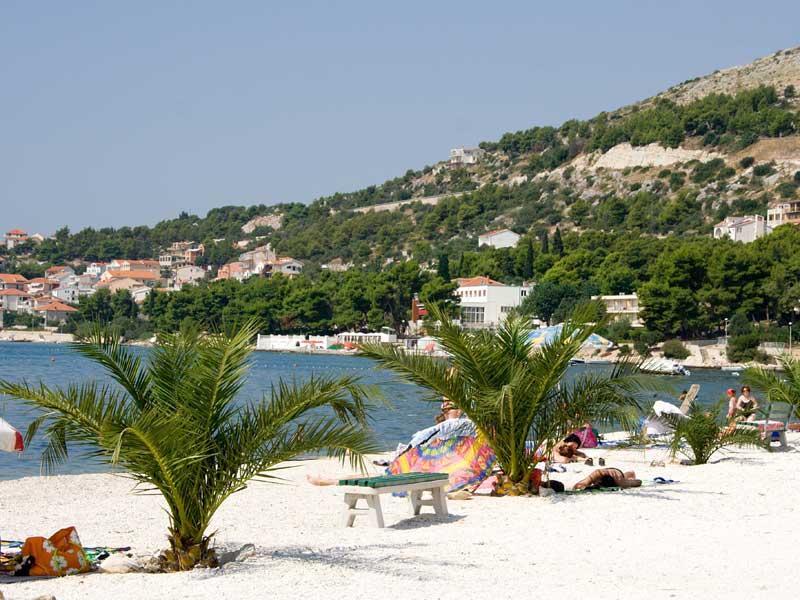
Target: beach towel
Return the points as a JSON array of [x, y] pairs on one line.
[[466, 460], [60, 554]]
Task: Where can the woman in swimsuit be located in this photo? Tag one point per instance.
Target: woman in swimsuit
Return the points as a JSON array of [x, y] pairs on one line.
[[746, 405], [600, 478]]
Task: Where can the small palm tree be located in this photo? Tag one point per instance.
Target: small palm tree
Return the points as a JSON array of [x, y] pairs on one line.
[[783, 387], [517, 395], [699, 435], [174, 425]]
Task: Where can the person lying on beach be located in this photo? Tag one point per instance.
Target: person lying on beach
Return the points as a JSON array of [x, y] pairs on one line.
[[566, 450], [605, 478]]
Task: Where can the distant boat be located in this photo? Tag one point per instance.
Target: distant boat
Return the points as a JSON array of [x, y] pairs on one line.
[[736, 367], [664, 366]]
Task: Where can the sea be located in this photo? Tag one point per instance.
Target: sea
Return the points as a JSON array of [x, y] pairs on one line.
[[405, 407]]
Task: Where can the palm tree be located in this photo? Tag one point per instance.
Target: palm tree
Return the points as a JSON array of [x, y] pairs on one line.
[[517, 395], [172, 422], [700, 436], [778, 388]]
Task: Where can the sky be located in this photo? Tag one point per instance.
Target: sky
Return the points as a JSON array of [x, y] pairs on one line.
[[127, 113]]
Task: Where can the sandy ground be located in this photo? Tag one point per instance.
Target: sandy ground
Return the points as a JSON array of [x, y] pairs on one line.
[[727, 529]]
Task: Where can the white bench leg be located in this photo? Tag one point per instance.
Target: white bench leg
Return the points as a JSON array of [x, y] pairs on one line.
[[376, 512], [439, 502], [782, 439], [415, 497], [350, 501]]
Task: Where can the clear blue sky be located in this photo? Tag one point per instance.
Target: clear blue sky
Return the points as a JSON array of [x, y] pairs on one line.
[[116, 113]]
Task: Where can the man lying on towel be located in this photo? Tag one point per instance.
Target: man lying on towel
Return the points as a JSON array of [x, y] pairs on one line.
[[608, 478]]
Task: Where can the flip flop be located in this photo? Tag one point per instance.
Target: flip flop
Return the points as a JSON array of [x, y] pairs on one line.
[[663, 480]]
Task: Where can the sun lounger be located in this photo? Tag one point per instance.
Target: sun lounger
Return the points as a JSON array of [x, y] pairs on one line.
[[369, 489], [690, 397], [774, 426]]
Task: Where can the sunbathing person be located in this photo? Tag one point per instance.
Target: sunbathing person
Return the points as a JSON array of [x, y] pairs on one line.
[[606, 478], [566, 450]]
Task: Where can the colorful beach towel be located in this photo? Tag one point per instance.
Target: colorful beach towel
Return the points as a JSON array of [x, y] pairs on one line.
[[466, 460]]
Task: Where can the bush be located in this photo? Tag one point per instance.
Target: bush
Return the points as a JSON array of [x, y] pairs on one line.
[[744, 348], [624, 350], [787, 189], [747, 162], [619, 330], [797, 177], [763, 170], [789, 91], [675, 349]]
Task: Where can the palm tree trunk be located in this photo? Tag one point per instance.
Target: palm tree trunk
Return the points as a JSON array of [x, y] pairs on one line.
[[187, 552]]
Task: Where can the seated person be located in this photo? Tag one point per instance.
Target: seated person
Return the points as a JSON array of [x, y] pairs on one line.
[[746, 405], [566, 450], [605, 478]]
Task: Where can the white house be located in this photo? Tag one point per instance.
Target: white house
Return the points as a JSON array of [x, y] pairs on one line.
[[499, 238], [284, 265], [742, 229], [785, 211], [13, 300], [465, 156], [620, 306], [189, 275], [96, 269], [485, 303]]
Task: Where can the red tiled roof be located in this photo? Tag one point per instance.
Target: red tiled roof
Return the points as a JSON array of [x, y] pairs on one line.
[[17, 232], [495, 231], [13, 292], [56, 306], [133, 274], [476, 281], [12, 278]]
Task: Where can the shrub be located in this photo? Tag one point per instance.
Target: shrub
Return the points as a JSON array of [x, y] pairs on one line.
[[789, 91], [664, 173], [747, 162], [675, 349], [796, 177], [763, 170], [700, 436], [624, 350], [787, 189]]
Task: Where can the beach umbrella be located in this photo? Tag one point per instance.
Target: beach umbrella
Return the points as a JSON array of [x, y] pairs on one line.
[[465, 459], [10, 438], [546, 335]]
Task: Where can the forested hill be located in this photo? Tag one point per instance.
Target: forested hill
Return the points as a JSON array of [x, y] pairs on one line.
[[622, 202]]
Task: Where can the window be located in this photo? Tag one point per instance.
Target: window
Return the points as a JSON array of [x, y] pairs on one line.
[[506, 309], [472, 314]]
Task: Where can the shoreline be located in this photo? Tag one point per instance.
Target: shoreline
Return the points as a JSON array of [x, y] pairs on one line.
[[627, 541], [46, 337]]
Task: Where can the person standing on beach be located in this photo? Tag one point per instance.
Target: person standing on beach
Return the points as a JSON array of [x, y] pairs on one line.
[[731, 396]]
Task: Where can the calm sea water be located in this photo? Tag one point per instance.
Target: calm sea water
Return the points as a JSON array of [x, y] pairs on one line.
[[409, 412]]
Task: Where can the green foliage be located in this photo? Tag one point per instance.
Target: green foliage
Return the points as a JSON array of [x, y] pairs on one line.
[[787, 189], [743, 348], [175, 426], [514, 394], [747, 162], [763, 170], [700, 436], [779, 387], [675, 349]]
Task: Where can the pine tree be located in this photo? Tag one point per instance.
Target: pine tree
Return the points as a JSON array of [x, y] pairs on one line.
[[527, 267], [545, 243], [443, 269], [462, 266], [558, 244]]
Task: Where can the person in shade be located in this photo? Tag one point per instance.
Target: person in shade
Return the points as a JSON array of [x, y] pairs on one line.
[[566, 450], [746, 405], [607, 478]]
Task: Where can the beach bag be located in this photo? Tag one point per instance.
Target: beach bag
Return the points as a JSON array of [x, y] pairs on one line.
[[60, 554], [587, 436]]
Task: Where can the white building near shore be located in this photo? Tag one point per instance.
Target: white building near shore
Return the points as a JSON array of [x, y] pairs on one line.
[[619, 306], [486, 303]]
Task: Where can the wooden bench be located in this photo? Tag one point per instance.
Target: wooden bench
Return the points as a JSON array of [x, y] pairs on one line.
[[370, 489]]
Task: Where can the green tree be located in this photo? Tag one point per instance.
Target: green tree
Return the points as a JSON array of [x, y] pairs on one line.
[[558, 244], [545, 243], [175, 425], [443, 268]]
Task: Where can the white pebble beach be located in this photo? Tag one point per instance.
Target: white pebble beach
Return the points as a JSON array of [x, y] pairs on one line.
[[725, 530]]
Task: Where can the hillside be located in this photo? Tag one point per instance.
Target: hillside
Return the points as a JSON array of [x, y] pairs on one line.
[[622, 202]]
